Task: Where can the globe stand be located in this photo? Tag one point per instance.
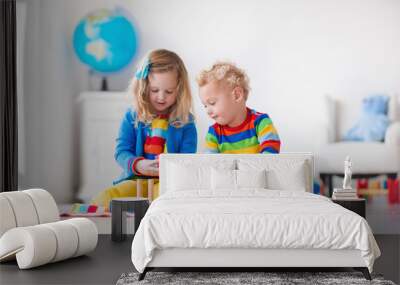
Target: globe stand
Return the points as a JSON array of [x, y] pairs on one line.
[[104, 84]]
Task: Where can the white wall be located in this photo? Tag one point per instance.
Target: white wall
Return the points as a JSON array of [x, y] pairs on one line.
[[294, 53]]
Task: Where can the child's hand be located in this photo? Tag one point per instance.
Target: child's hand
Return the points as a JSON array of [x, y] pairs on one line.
[[147, 167]]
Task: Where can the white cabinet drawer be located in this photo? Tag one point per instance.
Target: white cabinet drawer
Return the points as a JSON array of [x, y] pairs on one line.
[[104, 105]]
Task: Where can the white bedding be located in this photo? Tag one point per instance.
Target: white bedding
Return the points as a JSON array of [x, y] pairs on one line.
[[252, 218]]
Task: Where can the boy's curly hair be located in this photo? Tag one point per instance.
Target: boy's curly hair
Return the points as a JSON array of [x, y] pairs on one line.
[[225, 72]]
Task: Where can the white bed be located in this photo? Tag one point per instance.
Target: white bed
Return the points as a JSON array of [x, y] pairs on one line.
[[247, 211]]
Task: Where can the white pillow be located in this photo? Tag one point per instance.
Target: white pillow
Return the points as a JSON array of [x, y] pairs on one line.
[[228, 179], [182, 178], [251, 178], [189, 176], [289, 174], [223, 179], [290, 179]]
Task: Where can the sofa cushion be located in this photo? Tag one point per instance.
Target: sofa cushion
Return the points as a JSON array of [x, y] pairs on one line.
[[367, 157]]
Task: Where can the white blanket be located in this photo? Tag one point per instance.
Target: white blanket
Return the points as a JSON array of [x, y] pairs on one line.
[[250, 218]]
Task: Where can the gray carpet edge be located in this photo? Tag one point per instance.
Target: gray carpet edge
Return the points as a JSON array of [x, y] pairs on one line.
[[268, 278]]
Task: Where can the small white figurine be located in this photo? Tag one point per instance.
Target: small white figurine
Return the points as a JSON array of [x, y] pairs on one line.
[[347, 174]]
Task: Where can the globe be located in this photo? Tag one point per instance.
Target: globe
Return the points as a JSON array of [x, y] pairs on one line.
[[105, 40]]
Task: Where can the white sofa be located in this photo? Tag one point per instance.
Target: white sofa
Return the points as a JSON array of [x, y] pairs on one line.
[[31, 232], [369, 158]]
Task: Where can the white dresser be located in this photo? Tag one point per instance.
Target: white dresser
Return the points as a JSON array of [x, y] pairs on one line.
[[100, 117]]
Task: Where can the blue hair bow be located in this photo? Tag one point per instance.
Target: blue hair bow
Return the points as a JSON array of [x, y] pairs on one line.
[[143, 72]]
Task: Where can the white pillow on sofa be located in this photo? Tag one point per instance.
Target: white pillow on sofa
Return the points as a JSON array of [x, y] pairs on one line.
[[189, 176], [228, 179]]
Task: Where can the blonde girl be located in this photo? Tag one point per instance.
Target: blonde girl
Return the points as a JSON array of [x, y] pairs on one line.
[[159, 122]]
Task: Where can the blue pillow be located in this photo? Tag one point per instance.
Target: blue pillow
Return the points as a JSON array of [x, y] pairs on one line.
[[373, 122]]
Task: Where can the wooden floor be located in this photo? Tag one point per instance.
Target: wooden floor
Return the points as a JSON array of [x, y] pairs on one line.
[[110, 260]]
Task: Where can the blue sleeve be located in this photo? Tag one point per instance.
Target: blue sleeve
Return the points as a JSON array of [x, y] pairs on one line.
[[189, 139], [125, 150]]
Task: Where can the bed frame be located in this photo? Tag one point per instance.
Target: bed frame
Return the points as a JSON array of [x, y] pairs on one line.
[[242, 259], [246, 259]]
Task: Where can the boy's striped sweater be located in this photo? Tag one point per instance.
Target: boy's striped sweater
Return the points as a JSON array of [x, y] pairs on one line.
[[256, 134]]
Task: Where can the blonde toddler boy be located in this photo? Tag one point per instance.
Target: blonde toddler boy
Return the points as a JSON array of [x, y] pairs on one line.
[[223, 90]]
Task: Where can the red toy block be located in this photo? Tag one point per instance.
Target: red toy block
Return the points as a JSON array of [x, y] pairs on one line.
[[92, 209], [362, 183], [393, 191]]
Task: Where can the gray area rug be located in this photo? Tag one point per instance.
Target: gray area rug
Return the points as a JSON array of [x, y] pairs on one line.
[[226, 278]]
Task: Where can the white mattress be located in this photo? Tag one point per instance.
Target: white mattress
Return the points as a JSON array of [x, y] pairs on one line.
[[253, 218]]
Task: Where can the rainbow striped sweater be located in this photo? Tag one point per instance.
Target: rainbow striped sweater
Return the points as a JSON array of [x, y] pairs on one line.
[[256, 134], [154, 143]]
